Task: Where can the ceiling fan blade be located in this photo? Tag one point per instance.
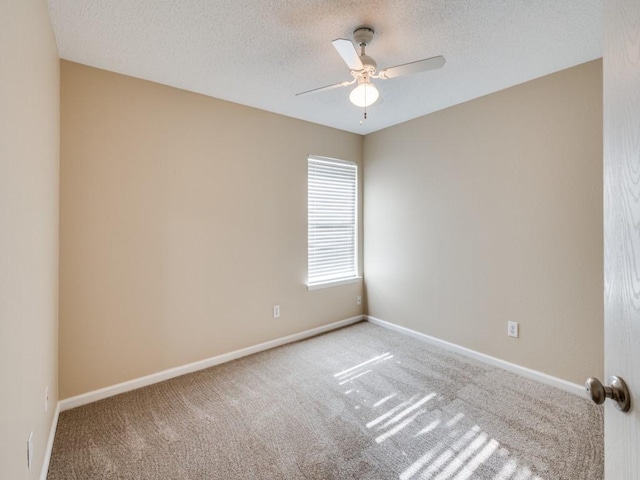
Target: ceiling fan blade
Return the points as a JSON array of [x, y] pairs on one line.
[[328, 87], [413, 67], [348, 53]]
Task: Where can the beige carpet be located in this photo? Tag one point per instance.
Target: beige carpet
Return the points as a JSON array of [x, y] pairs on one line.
[[358, 403]]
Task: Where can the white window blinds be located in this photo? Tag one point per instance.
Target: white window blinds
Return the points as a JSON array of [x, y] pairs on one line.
[[333, 225]]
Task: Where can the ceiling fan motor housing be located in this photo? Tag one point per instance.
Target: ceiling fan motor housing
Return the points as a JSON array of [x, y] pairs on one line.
[[369, 63]]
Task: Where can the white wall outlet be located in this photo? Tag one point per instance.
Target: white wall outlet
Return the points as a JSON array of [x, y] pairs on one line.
[[30, 450], [359, 299], [513, 329], [46, 399], [276, 311]]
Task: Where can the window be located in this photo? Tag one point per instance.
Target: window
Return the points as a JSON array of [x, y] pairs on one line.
[[333, 222]]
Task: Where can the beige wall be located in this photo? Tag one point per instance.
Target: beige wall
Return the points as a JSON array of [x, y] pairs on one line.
[[29, 140], [492, 211], [183, 221]]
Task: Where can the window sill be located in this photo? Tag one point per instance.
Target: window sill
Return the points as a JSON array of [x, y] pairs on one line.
[[333, 283]]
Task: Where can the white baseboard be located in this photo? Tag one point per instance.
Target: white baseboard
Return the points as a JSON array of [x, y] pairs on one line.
[[49, 448], [511, 367], [95, 395]]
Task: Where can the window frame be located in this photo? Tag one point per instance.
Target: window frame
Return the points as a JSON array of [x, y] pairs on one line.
[[352, 276]]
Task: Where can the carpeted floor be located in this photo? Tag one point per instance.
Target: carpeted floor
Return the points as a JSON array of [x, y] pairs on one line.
[[362, 402]]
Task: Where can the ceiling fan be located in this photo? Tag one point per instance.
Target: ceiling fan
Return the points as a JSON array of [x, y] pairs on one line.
[[363, 68]]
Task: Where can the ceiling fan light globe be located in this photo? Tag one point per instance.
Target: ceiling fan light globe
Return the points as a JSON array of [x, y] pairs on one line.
[[364, 95]]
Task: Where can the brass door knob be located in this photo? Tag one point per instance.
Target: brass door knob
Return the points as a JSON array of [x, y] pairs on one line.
[[616, 390]]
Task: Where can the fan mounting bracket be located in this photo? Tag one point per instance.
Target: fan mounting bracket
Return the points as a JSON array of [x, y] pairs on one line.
[[362, 36]]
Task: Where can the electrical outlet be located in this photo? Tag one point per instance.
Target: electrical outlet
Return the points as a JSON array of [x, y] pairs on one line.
[[513, 329], [359, 299], [276, 311], [30, 450], [46, 399]]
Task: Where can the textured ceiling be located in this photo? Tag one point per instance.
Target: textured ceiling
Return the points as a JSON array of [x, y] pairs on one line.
[[261, 53]]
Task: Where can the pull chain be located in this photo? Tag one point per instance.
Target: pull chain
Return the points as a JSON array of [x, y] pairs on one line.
[[364, 118]]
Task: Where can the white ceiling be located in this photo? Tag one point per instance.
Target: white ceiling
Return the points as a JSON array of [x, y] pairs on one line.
[[261, 53]]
